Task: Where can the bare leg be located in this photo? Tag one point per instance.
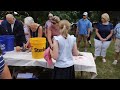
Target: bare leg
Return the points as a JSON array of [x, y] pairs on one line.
[[116, 55], [116, 58], [85, 42]]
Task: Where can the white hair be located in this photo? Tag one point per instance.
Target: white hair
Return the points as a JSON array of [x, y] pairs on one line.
[[28, 21], [50, 15], [9, 16]]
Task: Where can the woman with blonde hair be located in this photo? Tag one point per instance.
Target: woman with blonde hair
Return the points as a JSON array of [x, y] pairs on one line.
[[104, 32], [64, 47], [35, 29]]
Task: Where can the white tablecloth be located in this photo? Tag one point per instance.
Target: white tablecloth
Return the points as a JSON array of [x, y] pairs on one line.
[[81, 63]]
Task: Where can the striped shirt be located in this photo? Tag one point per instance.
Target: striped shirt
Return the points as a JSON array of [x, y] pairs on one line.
[[2, 64]]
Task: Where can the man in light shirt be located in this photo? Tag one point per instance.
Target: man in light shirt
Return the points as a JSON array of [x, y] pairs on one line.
[[83, 30]]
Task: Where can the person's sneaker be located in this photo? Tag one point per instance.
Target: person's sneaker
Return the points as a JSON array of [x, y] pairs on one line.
[[115, 62], [104, 60]]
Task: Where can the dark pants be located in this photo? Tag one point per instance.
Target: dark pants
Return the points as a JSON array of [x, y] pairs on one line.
[[64, 73]]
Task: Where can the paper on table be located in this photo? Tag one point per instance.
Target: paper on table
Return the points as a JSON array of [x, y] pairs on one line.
[[25, 75], [82, 60]]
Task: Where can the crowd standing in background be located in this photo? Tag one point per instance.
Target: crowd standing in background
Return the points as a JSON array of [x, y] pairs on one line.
[[63, 45]]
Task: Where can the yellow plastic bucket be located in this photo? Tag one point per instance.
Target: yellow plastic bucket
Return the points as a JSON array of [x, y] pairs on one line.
[[38, 46]]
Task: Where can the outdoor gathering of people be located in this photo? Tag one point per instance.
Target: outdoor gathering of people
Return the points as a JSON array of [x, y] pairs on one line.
[[63, 45]]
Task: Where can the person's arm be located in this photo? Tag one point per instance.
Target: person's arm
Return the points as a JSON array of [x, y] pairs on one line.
[[54, 52], [98, 35], [89, 27], [75, 51], [111, 32], [49, 37], [114, 33], [110, 35], [28, 42], [6, 73], [77, 31], [40, 31], [89, 32], [21, 33]]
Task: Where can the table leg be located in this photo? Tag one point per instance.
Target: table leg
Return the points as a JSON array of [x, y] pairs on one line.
[[81, 74]]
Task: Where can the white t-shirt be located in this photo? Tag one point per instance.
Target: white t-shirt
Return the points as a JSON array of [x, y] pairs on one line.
[[65, 57], [12, 25]]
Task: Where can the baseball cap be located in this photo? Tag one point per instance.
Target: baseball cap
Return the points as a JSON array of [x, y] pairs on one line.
[[85, 13]]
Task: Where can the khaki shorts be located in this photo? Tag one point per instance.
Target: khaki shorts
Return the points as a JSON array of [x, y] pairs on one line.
[[84, 37], [117, 45]]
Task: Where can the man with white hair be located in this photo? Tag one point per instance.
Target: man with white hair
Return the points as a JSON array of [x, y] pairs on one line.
[[14, 27]]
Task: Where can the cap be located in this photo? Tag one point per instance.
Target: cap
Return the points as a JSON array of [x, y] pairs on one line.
[[85, 13]]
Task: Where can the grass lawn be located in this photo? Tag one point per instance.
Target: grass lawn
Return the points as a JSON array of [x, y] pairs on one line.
[[104, 70]]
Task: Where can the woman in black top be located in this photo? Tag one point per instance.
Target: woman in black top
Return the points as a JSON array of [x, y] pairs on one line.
[[35, 29]]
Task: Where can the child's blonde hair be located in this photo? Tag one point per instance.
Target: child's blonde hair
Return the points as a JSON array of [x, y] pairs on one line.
[[64, 27]]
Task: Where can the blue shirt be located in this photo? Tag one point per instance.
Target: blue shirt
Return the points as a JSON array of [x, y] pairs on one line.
[[2, 64], [83, 25], [65, 57], [104, 30], [117, 31]]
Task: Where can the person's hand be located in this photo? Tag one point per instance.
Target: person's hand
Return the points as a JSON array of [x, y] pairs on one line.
[[101, 39], [25, 46], [104, 40], [26, 33]]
